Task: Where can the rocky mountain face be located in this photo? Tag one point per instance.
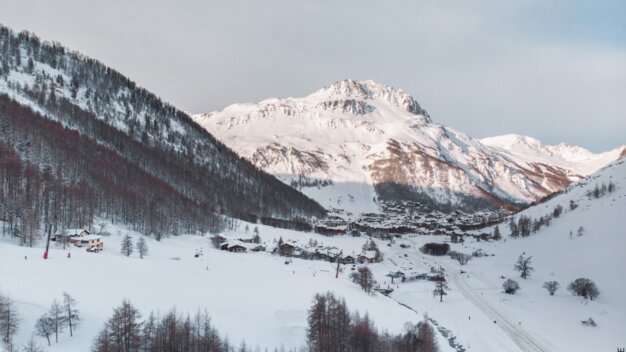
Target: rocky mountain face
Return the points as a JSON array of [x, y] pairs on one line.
[[355, 144]]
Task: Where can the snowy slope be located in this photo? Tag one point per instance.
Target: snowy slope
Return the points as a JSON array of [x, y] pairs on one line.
[[529, 150], [251, 296], [256, 297], [353, 143]]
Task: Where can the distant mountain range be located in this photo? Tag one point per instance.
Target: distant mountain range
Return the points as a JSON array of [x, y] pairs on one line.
[[354, 144]]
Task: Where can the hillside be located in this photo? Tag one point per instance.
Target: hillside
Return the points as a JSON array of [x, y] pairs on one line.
[[106, 147], [260, 298], [354, 144]]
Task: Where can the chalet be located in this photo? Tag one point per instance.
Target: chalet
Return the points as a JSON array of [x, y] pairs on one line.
[[234, 246], [319, 255], [367, 257], [258, 248], [91, 243], [68, 234], [286, 249], [347, 260], [218, 240]]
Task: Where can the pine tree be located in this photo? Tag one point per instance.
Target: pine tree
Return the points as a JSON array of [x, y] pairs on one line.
[[496, 233], [514, 229], [127, 245], [142, 247]]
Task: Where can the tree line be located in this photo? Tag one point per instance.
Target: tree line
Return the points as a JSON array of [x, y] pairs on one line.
[[333, 328]]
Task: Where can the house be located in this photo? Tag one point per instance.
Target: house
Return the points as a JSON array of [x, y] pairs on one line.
[[286, 249], [92, 243], [80, 238], [234, 246], [347, 260], [258, 248], [218, 240], [367, 257], [66, 235], [237, 248]]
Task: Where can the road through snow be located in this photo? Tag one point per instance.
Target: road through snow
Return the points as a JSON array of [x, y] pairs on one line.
[[520, 336]]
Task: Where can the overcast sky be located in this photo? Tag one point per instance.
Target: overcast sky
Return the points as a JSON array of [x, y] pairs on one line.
[[548, 69]]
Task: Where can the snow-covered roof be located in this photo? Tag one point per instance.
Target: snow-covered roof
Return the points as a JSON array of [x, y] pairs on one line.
[[369, 254], [90, 237], [70, 232]]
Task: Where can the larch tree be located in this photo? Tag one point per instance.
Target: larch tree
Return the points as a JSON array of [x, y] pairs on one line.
[[9, 322], [364, 278], [72, 318], [142, 247], [57, 316], [496, 233], [441, 287], [127, 247]]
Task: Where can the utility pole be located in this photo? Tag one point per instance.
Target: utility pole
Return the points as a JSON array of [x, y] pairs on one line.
[[45, 254], [338, 258]]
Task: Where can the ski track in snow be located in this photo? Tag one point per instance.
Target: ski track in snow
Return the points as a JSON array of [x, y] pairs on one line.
[[521, 337]]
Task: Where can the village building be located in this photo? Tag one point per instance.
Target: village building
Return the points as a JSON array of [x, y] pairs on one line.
[[234, 246], [258, 248], [67, 234], [367, 257], [91, 243], [347, 260], [80, 238]]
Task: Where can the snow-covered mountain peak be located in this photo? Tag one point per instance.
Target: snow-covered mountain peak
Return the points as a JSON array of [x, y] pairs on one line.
[[355, 144], [526, 148], [364, 90]]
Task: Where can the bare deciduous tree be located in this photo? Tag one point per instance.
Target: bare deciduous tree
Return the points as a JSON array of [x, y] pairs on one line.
[[551, 286], [44, 327], [584, 287], [523, 266], [510, 286]]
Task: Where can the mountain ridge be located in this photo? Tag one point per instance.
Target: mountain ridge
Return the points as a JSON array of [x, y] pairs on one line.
[[371, 134], [195, 174]]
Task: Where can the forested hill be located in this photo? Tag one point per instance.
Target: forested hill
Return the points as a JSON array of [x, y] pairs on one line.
[[87, 141]]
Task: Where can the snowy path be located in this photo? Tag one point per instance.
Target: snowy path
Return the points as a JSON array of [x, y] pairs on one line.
[[520, 336]]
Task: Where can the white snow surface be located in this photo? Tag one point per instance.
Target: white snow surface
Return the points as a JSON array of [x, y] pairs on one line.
[[257, 297], [351, 131]]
